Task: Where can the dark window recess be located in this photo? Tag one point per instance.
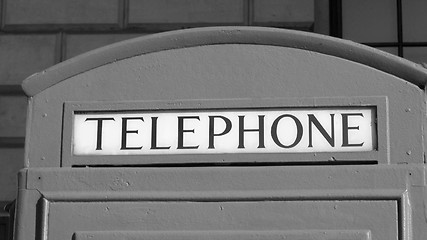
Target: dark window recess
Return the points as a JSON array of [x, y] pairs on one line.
[[404, 44], [6, 221], [332, 162], [4, 227], [335, 18]]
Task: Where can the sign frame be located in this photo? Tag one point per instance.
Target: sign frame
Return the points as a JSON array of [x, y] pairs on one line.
[[378, 155]]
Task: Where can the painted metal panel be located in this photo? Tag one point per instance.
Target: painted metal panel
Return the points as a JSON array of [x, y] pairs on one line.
[[377, 194], [229, 35], [380, 218], [279, 181], [342, 198], [379, 125], [227, 235], [170, 80], [230, 65]]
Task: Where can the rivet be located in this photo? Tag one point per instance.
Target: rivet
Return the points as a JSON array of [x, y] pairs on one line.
[[42, 158], [408, 152], [408, 110], [44, 115]]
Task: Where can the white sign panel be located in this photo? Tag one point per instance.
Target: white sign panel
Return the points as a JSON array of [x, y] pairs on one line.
[[228, 131]]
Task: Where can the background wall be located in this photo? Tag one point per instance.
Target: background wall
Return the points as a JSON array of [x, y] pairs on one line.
[[36, 34]]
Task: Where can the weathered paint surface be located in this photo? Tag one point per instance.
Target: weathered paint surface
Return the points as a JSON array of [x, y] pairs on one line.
[[232, 235], [233, 196], [384, 201], [230, 72], [380, 217]]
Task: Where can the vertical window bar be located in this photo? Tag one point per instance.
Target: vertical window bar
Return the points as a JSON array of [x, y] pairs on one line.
[[399, 28], [123, 13], [335, 21], [60, 47], [1, 14], [249, 12]]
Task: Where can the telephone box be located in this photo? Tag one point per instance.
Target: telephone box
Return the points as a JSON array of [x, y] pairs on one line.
[[226, 133]]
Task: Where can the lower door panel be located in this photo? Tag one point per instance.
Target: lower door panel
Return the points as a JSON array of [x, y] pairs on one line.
[[229, 235], [228, 220]]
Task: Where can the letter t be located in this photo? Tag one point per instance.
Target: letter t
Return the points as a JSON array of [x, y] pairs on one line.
[[99, 130]]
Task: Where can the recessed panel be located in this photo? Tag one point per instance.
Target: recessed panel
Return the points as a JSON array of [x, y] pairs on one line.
[[378, 217], [226, 235]]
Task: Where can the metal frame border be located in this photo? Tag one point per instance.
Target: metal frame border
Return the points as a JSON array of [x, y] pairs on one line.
[[380, 155]]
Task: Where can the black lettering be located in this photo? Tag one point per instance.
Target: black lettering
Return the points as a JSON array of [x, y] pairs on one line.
[[99, 130], [181, 132], [274, 131], [154, 134], [313, 120], [260, 129], [125, 131], [346, 128], [212, 133]]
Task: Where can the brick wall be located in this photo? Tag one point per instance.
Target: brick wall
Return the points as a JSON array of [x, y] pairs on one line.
[[36, 34]]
